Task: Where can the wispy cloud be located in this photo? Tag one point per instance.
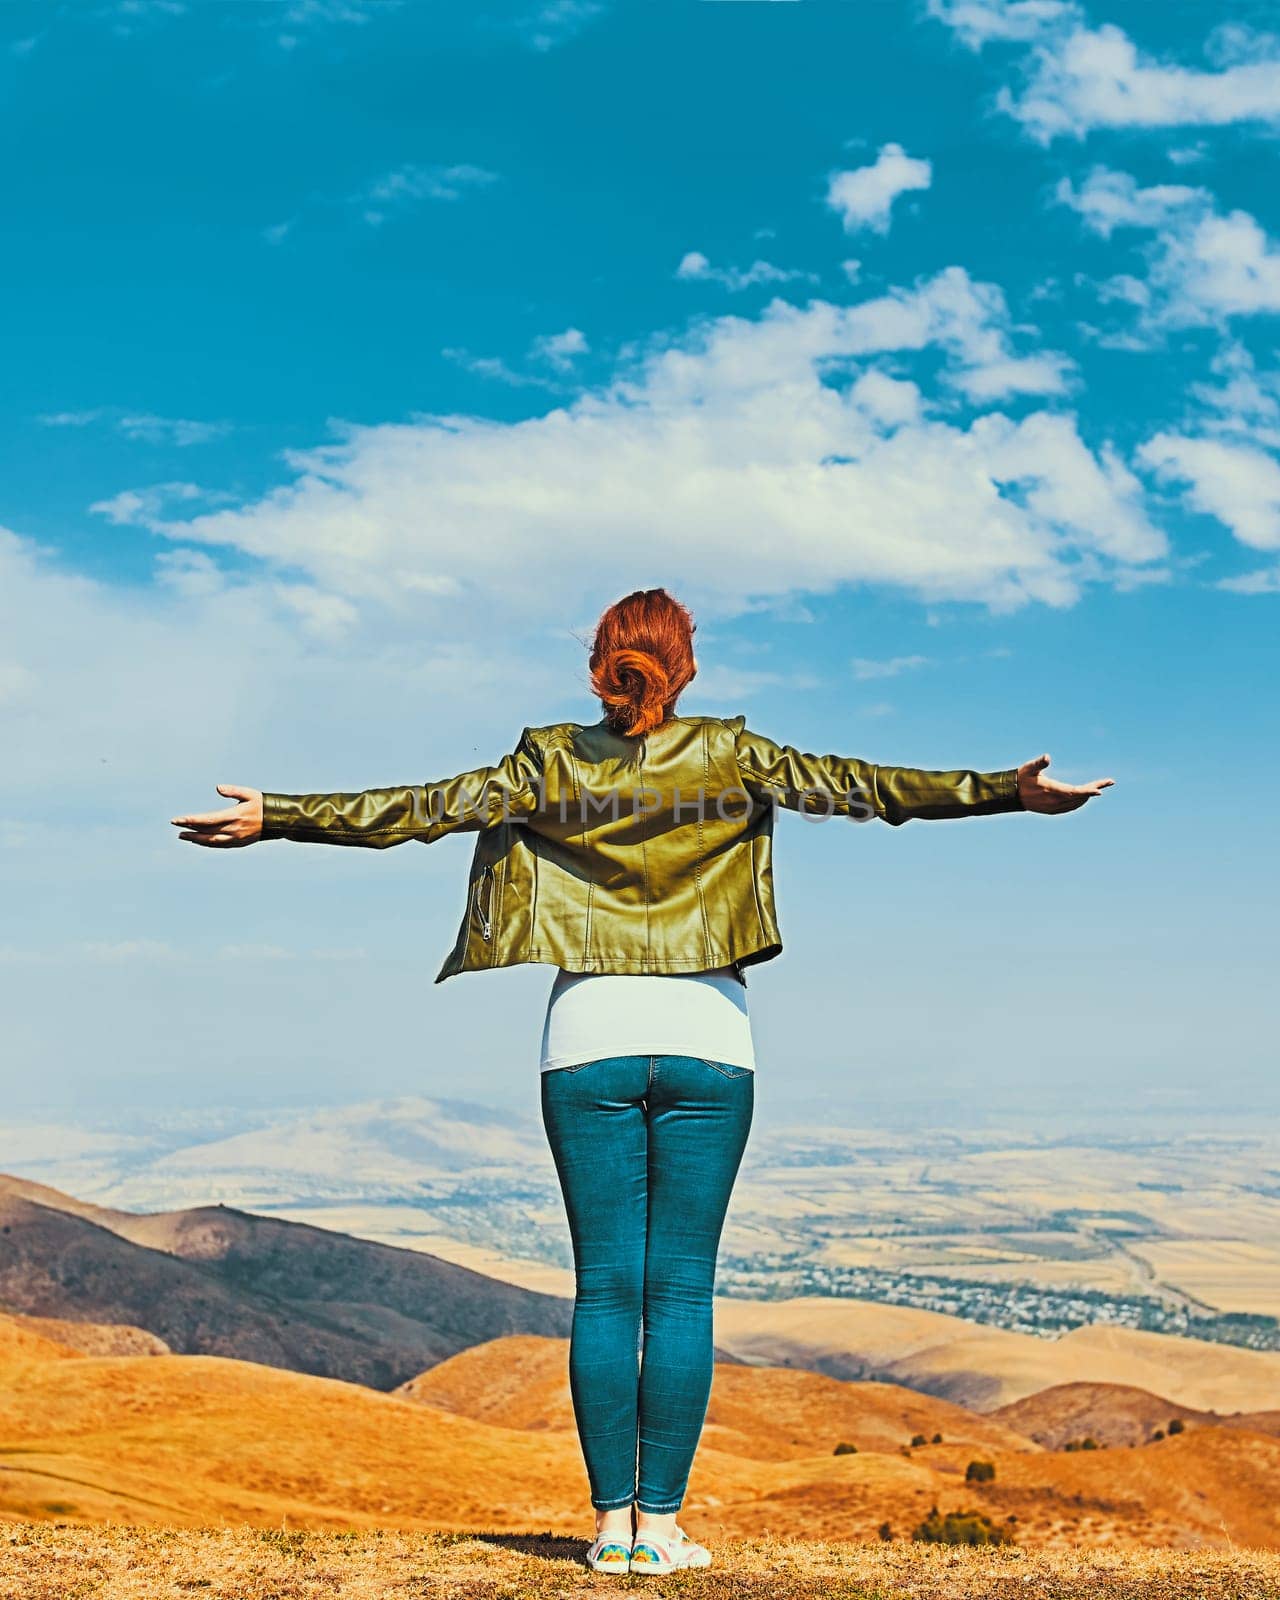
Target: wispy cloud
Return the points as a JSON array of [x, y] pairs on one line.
[[865, 670], [128, 17], [557, 21], [559, 351], [146, 508], [695, 267], [1264, 581], [496, 368], [300, 17], [864, 196], [412, 184], [143, 426]]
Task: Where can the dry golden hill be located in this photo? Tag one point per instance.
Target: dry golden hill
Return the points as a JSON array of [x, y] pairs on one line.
[[22, 1342], [760, 1413], [984, 1367], [1114, 1414], [198, 1440], [79, 1338], [217, 1281]]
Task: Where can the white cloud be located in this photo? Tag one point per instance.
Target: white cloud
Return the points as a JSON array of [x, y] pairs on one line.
[[1203, 266], [1097, 78], [864, 196], [560, 349], [1108, 200], [694, 266], [1079, 78], [1046, 373], [981, 22], [1235, 483], [751, 458], [891, 401]]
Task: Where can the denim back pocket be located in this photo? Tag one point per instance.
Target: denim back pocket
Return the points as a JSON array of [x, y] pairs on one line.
[[725, 1068]]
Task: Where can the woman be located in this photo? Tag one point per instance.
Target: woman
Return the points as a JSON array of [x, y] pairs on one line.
[[634, 855]]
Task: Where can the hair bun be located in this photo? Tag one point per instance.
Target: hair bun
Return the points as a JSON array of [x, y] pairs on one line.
[[641, 659], [634, 687]]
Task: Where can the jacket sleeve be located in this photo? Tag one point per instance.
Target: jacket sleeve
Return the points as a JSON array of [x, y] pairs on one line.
[[380, 818], [844, 786]]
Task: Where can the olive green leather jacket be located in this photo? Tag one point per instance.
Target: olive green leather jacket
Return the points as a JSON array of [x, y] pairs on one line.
[[602, 853]]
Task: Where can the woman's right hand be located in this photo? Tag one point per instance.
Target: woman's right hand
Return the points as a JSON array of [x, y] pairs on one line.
[[1047, 795], [238, 825]]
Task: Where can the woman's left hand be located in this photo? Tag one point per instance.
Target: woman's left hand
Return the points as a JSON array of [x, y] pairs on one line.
[[1039, 793]]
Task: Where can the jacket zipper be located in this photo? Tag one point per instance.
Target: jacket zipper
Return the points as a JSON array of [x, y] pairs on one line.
[[484, 909]]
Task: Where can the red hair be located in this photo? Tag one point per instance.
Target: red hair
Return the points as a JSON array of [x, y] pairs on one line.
[[641, 659]]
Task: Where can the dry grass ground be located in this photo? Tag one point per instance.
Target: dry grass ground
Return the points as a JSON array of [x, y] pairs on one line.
[[52, 1562]]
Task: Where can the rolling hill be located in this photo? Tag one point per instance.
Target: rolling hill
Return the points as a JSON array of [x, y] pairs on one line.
[[985, 1368], [223, 1282], [1114, 1414], [761, 1413], [198, 1440]]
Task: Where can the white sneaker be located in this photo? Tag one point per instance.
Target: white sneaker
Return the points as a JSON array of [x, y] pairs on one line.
[[656, 1553], [610, 1552]]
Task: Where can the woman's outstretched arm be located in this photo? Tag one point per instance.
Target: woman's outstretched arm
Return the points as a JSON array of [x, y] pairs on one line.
[[376, 818], [846, 786]]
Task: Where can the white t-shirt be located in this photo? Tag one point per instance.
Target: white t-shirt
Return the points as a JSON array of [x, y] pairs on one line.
[[593, 1015]]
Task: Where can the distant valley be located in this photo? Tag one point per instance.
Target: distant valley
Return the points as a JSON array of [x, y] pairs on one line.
[[1177, 1233]]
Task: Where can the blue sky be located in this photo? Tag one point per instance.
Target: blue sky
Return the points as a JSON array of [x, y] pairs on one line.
[[358, 354]]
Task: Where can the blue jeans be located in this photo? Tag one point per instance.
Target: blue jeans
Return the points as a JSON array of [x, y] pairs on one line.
[[647, 1149]]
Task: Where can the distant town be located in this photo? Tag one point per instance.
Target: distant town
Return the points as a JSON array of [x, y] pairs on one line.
[[1022, 1307]]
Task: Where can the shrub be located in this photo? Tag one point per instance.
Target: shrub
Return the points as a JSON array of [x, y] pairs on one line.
[[961, 1527], [980, 1472], [918, 1438], [886, 1532], [1082, 1444], [1176, 1426], [937, 1438], [843, 1449], [1158, 1434]]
